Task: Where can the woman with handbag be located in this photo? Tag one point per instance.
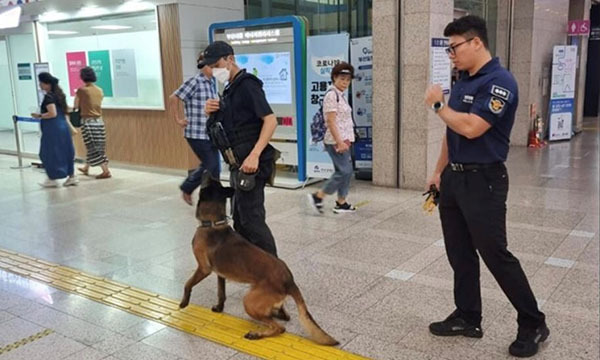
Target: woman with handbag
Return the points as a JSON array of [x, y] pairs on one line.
[[56, 146], [88, 101], [338, 141]]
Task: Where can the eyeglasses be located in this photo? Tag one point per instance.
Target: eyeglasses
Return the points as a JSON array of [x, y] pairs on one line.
[[451, 50]]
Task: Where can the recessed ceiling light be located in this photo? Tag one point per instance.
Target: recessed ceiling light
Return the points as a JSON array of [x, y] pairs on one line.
[[62, 32], [111, 27], [53, 15]]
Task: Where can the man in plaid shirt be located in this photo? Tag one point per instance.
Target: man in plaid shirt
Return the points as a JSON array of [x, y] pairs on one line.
[[193, 93]]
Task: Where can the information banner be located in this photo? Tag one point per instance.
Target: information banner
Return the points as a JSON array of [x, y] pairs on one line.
[[323, 52], [24, 71], [124, 73], [441, 67], [562, 93], [100, 62], [361, 55], [75, 62]]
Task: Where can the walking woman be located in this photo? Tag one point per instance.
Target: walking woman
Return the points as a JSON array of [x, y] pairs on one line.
[[89, 102], [56, 146], [338, 141]]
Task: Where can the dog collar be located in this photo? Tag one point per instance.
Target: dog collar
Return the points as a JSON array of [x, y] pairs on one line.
[[208, 223]]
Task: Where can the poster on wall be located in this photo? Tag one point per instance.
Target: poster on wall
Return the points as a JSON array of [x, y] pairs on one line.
[[361, 57], [323, 52], [441, 67], [39, 68], [274, 70], [75, 62], [24, 71], [561, 119], [124, 73], [100, 62], [562, 92]]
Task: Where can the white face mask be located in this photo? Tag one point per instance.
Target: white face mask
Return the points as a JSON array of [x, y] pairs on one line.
[[221, 74]]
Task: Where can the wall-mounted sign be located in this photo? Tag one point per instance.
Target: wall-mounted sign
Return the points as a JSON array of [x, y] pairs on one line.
[[578, 27], [100, 62], [75, 62], [24, 71], [16, 2], [124, 73]]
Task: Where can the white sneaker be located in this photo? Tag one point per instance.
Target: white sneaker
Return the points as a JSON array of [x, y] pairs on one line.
[[71, 181], [49, 183]]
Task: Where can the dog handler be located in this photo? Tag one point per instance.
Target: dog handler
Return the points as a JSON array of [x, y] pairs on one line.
[[242, 124], [474, 186]]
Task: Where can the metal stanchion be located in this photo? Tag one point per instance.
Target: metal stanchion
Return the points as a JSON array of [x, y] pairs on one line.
[[18, 139]]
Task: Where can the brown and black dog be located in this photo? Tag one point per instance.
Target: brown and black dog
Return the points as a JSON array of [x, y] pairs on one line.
[[220, 249]]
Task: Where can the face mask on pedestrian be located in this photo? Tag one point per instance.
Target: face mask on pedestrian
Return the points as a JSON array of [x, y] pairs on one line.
[[221, 74]]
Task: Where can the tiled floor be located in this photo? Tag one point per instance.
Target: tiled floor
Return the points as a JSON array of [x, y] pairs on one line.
[[374, 279]]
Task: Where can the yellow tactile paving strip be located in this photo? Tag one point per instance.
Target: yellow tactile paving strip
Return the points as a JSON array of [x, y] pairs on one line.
[[219, 328]]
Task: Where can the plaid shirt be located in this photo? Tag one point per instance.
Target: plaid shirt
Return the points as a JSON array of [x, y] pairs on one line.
[[194, 92]]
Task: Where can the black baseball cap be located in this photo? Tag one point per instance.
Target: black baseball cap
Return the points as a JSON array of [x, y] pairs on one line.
[[214, 52]]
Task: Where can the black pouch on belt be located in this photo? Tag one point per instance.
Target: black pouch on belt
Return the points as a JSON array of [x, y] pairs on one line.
[[243, 181]]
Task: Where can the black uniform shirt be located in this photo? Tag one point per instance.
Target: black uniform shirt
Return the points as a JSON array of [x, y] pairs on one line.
[[246, 104], [491, 94]]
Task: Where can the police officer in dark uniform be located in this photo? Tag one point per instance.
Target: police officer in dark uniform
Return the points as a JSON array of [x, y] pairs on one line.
[[247, 124], [474, 186]]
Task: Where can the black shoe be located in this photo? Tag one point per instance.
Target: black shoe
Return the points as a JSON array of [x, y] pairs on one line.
[[343, 208], [528, 341], [454, 325], [315, 203]]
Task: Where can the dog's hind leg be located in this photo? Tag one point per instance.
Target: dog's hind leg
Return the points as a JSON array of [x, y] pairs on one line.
[[280, 313], [259, 305], [198, 276], [221, 284]]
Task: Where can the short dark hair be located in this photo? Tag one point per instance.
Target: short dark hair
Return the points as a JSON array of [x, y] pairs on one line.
[[468, 26], [87, 74], [343, 68]]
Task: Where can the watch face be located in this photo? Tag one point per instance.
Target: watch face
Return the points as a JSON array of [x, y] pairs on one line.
[[437, 105]]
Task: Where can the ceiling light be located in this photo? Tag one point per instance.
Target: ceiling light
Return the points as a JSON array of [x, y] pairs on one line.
[[89, 11], [10, 17], [50, 16], [132, 6], [111, 27], [62, 32]]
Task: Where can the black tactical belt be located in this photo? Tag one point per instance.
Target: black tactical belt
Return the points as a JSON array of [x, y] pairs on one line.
[[469, 167]]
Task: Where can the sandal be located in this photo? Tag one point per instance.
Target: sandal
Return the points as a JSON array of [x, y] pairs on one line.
[[84, 171], [105, 175]]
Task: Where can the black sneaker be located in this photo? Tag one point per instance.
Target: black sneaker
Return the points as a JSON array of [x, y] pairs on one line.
[[454, 325], [528, 341], [343, 208], [315, 203]]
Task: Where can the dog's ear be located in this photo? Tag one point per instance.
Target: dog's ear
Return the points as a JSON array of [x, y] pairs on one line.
[[228, 191]]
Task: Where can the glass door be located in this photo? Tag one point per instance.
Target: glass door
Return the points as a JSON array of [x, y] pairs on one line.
[[7, 110]]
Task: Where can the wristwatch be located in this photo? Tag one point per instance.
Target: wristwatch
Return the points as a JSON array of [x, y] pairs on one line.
[[437, 106]]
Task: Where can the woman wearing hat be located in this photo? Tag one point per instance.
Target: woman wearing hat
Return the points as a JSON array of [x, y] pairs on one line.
[[56, 146], [338, 140]]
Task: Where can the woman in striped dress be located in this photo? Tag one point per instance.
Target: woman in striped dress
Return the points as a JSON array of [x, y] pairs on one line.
[[89, 102]]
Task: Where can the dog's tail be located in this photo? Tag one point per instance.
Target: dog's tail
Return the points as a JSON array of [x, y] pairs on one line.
[[315, 332]]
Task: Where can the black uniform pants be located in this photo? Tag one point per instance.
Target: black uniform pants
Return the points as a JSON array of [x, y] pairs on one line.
[[473, 214], [249, 215]]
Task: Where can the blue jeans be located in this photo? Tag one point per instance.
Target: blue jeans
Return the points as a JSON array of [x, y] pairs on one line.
[[340, 180], [208, 155]]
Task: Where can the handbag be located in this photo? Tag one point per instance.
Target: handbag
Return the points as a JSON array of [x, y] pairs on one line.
[[75, 118]]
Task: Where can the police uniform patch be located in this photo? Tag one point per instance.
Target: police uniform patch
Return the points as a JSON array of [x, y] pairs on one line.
[[501, 92], [496, 105], [468, 99]]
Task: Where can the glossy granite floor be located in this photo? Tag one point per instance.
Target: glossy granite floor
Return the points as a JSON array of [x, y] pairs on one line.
[[374, 279]]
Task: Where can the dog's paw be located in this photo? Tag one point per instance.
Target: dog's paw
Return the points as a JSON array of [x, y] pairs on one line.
[[253, 336], [217, 308], [184, 303]]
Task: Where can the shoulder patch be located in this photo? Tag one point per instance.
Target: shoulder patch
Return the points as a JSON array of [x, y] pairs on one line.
[[500, 92], [496, 105]]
